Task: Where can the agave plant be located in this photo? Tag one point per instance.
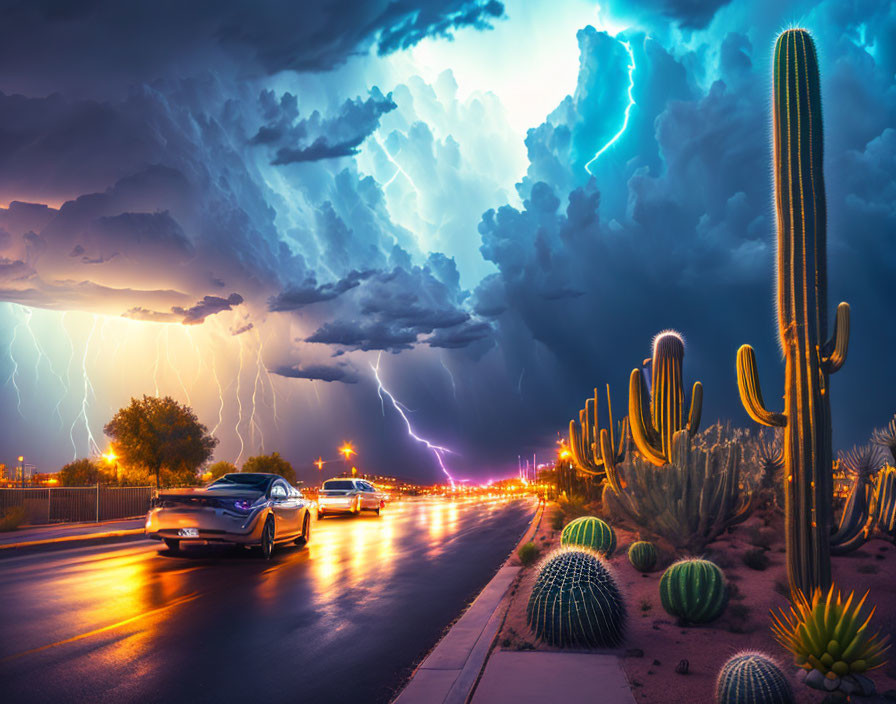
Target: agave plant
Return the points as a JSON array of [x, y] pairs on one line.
[[830, 635], [886, 437], [856, 523]]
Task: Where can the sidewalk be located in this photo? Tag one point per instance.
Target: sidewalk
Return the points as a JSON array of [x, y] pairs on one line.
[[466, 666], [535, 677], [69, 532]]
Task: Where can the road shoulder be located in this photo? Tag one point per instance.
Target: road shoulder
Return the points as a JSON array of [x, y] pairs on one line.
[[450, 672]]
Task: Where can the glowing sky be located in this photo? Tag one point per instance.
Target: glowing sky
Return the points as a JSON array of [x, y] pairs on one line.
[[245, 207]]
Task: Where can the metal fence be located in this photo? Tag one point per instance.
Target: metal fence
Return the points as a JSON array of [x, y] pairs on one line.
[[77, 504]]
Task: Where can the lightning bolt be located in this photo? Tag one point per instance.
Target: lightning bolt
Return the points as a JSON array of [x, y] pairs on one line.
[[220, 393], [176, 370], [239, 404], [450, 376], [155, 368], [437, 450], [41, 355], [15, 364], [628, 108], [273, 390], [253, 423], [92, 447], [398, 169]]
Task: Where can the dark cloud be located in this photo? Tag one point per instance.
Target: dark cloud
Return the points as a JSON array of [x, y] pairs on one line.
[[70, 45], [364, 336], [460, 336], [329, 137], [209, 305], [318, 372], [308, 292]]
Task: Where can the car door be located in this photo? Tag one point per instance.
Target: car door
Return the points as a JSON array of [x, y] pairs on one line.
[[369, 493], [285, 508]]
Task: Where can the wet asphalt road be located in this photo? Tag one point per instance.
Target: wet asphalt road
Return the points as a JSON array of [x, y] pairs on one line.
[[344, 619]]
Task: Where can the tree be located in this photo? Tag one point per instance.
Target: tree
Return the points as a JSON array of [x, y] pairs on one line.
[[162, 436], [271, 464], [220, 468], [83, 472]]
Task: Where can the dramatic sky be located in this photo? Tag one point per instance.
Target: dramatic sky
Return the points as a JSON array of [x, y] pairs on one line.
[[257, 207]]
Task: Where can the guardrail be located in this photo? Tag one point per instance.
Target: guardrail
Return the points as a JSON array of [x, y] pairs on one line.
[[74, 504]]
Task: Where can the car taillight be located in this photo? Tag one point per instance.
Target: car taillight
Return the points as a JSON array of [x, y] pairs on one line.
[[242, 505]]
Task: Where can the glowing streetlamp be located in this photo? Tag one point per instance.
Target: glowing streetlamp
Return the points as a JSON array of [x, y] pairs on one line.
[[320, 464], [112, 459], [347, 451]]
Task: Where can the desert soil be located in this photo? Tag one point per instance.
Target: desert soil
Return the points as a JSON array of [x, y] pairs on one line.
[[655, 644]]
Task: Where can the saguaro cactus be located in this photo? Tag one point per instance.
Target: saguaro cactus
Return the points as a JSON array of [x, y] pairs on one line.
[[594, 448], [802, 316], [653, 433]]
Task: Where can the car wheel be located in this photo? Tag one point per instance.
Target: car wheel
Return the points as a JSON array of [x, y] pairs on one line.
[[377, 509], [172, 545], [267, 539], [306, 531]]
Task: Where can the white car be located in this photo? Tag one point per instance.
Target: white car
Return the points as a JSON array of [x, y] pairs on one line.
[[348, 496]]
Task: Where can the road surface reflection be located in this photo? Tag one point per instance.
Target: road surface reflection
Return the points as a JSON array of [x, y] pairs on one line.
[[127, 623]]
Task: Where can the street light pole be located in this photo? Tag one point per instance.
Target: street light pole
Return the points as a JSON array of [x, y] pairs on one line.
[[22, 469]]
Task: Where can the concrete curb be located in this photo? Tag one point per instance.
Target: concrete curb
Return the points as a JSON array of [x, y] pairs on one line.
[[72, 539], [450, 672]]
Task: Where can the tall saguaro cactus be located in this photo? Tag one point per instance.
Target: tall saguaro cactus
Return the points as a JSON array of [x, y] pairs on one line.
[[810, 357], [594, 449], [654, 431]]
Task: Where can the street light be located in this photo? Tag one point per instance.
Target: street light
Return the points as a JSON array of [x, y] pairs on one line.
[[347, 450], [320, 464], [22, 468]]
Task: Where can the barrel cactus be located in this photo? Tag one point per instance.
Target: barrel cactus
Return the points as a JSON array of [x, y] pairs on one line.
[[694, 590], [589, 532], [752, 678], [642, 555], [576, 602]]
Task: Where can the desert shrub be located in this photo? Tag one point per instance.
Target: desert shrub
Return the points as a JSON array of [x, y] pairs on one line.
[[12, 519], [557, 519], [527, 553]]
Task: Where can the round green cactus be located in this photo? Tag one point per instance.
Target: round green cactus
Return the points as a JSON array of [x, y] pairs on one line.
[[752, 678], [642, 555], [576, 602], [591, 533], [694, 590]]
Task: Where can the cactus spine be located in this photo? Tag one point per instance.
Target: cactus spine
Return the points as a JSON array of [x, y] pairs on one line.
[[589, 532], [802, 316], [752, 678], [694, 590], [654, 431], [575, 602], [594, 448]]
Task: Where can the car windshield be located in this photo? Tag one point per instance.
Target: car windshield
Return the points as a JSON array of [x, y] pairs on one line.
[[343, 485], [257, 482]]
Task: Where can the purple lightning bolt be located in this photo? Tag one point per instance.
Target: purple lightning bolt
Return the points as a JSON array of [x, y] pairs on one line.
[[436, 450]]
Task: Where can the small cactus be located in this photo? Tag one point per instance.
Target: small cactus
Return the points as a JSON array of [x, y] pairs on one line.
[[752, 678], [694, 590], [589, 532], [642, 555], [576, 602]]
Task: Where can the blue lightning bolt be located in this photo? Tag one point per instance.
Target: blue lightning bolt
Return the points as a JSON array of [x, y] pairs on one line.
[[437, 450], [450, 376], [398, 169], [628, 108]]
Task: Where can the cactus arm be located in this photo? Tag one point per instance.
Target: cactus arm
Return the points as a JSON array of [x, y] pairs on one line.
[[696, 408], [579, 456], [751, 392], [642, 427], [835, 349]]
